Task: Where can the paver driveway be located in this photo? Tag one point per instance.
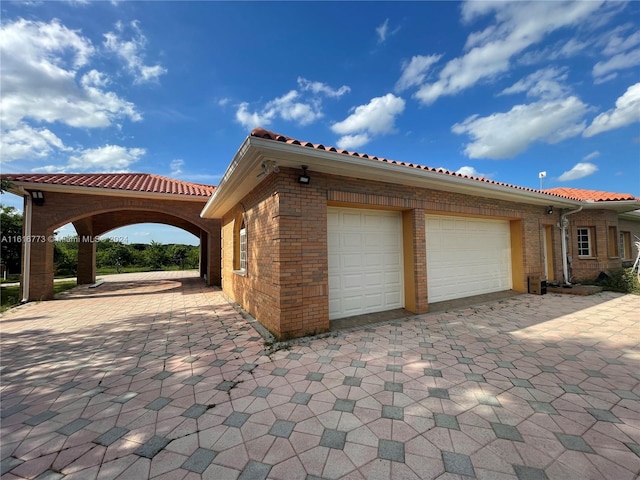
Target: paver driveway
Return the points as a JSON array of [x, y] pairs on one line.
[[147, 377]]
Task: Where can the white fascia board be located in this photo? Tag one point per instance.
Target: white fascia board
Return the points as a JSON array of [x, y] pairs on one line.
[[241, 175], [620, 206], [108, 192]]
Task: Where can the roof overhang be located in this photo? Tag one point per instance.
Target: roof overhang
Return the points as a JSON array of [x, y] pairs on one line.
[[620, 206], [19, 188], [242, 175]]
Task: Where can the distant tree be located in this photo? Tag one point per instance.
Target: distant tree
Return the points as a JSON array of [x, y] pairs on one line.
[[156, 254], [5, 185], [65, 256], [11, 233], [178, 254], [110, 253]]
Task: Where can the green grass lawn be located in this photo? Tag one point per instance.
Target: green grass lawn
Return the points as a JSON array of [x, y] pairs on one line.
[[10, 296]]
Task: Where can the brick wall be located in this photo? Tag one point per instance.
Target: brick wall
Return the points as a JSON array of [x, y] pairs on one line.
[[97, 214], [599, 221], [286, 284], [633, 227]]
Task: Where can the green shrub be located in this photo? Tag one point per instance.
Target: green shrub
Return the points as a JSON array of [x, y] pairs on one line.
[[621, 280]]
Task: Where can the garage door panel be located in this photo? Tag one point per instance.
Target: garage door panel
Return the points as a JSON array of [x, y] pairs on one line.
[[365, 254], [466, 256]]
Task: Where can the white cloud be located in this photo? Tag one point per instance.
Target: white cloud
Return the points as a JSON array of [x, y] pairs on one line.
[[471, 172], [591, 156], [627, 111], [382, 31], [517, 26], [132, 51], [40, 63], [505, 135], [415, 71], [285, 107], [545, 83], [26, 142], [616, 43], [110, 158], [319, 87], [375, 118], [580, 170], [176, 166], [602, 71], [291, 106]]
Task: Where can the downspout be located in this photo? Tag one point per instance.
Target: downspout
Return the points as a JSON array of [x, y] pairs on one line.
[[26, 258], [564, 223]]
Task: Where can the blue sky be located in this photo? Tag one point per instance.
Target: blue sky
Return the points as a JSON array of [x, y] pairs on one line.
[[495, 89]]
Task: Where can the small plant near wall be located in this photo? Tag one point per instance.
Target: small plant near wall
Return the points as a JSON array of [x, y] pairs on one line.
[[620, 280]]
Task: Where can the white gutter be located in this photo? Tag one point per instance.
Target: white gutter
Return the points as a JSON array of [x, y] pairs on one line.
[[26, 258], [564, 223]]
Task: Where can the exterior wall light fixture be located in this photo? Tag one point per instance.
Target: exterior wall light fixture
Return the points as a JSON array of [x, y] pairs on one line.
[[38, 197], [304, 178], [550, 210]]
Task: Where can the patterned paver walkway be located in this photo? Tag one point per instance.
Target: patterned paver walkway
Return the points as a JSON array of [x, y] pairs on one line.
[[154, 376]]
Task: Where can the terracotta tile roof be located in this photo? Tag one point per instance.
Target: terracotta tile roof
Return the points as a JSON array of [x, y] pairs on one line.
[[569, 193], [585, 195], [133, 182]]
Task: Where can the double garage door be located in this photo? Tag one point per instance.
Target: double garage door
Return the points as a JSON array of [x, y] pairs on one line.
[[465, 257]]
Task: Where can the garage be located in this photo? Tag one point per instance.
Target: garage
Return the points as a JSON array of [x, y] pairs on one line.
[[466, 257], [365, 261]]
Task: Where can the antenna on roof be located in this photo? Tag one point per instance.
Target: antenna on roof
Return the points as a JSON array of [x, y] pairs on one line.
[[541, 175]]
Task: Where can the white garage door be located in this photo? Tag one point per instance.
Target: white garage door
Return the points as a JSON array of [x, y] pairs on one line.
[[466, 256], [365, 261]]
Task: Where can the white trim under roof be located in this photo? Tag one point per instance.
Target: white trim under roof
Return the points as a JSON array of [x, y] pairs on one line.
[[242, 176]]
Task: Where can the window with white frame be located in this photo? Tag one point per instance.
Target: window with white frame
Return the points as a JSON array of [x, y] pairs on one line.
[[585, 246], [243, 247]]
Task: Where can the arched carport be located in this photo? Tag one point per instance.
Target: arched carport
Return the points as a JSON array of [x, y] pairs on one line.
[[98, 203]]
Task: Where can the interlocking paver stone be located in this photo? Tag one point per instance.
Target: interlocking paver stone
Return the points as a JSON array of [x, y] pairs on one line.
[[358, 363], [333, 439], [394, 413], [529, 473], [352, 381], [634, 447], [488, 400], [9, 463], [594, 373], [543, 407], [199, 460], [236, 419], [134, 371], [626, 394], [255, 471], [110, 436], [7, 412], [446, 421], [40, 418], [394, 368], [280, 372], [225, 386], [218, 363], [458, 463], [67, 386], [158, 404], [432, 372], [162, 375], [152, 447], [261, 392], [393, 387], [572, 388], [520, 382], [50, 475], [507, 432], [194, 380], [603, 415], [315, 376], [475, 377], [125, 397], [574, 442], [391, 450], [439, 393], [282, 428], [301, 398], [344, 405], [428, 356], [195, 411], [74, 426]]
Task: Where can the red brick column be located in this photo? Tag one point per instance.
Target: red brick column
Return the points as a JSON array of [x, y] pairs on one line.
[[86, 251]]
